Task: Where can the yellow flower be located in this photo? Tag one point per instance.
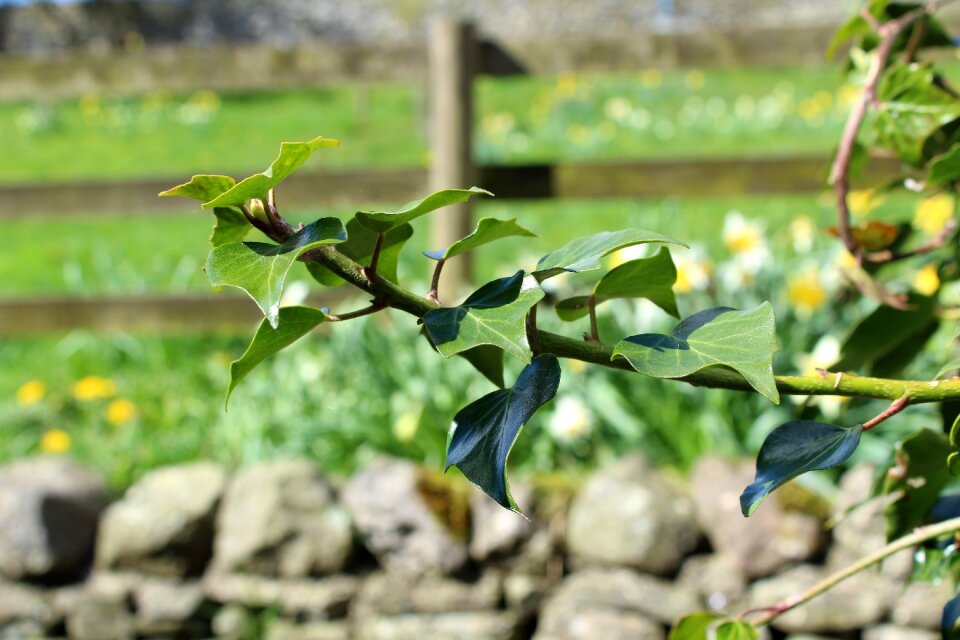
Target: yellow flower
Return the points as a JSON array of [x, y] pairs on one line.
[[576, 366], [693, 271], [932, 213], [578, 134], [55, 441], [845, 260], [406, 426], [805, 292], [927, 280], [31, 392], [810, 110], [120, 411], [863, 201], [694, 79], [567, 85], [847, 95], [651, 78], [802, 233], [93, 388], [90, 105], [741, 235]]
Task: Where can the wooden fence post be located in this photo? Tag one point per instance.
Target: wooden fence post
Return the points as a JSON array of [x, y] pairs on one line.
[[453, 63]]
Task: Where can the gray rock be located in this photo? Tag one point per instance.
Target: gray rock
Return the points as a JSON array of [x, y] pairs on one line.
[[280, 519], [631, 515], [27, 605], [49, 508], [280, 629], [164, 523], [166, 606], [855, 603], [625, 590], [920, 604], [559, 621], [489, 625], [320, 598], [893, 632], [524, 593], [232, 622], [94, 618], [717, 578], [494, 530], [397, 525], [23, 630], [384, 594], [772, 538]]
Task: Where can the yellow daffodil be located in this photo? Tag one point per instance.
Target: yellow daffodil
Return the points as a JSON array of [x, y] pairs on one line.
[[120, 411], [927, 281], [651, 78], [805, 292], [847, 95], [933, 213], [741, 235], [863, 201], [31, 392], [567, 85], [406, 425], [93, 388], [55, 441]]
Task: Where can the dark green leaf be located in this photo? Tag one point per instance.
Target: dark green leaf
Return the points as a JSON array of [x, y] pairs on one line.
[[359, 248], [483, 432], [745, 341], [884, 330], [794, 448], [386, 220], [948, 621], [231, 226], [694, 626], [650, 278], [922, 472], [202, 188], [488, 360], [494, 314], [295, 322], [945, 167], [583, 254], [487, 231], [292, 155], [260, 269]]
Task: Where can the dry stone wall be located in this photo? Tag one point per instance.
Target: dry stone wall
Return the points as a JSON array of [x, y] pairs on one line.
[[281, 551]]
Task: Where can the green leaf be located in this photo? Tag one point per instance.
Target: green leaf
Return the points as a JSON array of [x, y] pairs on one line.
[[494, 314], [487, 231], [260, 269], [883, 331], [744, 341], [488, 360], [650, 278], [583, 254], [231, 226], [736, 630], [854, 26], [202, 188], [945, 167], [949, 618], [386, 220], [359, 248], [794, 448], [483, 432], [292, 155], [694, 626], [921, 473], [953, 365], [295, 322]]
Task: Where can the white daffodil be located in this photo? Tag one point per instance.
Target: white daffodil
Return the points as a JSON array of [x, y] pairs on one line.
[[824, 354], [571, 420]]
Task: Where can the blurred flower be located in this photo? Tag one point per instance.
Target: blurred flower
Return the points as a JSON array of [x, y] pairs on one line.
[[824, 99], [641, 119], [693, 270], [93, 388], [120, 411], [863, 201], [810, 110], [576, 366], [744, 107], [571, 420], [651, 78], [295, 293], [805, 291], [847, 95], [933, 213], [498, 125], [845, 260], [578, 134], [825, 353], [406, 425], [567, 85], [55, 441], [627, 254], [742, 235], [926, 282], [694, 80], [31, 392], [802, 233], [89, 105], [617, 109]]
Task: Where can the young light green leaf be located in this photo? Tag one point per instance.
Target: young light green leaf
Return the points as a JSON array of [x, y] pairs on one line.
[[945, 167], [953, 365], [744, 341], [386, 220], [260, 269], [483, 432], [794, 448], [650, 278], [295, 322], [292, 155], [488, 230], [694, 626], [922, 458], [359, 248], [231, 226], [202, 188], [736, 630], [494, 314], [583, 254]]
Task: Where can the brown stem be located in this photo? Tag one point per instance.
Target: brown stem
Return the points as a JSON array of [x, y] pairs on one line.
[[896, 407], [371, 269], [435, 282], [374, 307], [913, 44], [935, 243], [278, 222], [259, 224], [533, 333]]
